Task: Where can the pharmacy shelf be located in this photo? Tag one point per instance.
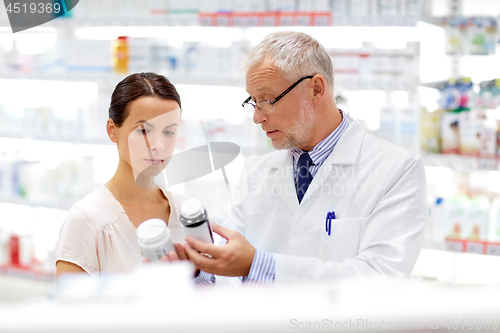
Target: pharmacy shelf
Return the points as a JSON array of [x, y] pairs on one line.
[[375, 85], [456, 267], [104, 141], [376, 21], [434, 20], [108, 81], [19, 289], [471, 246], [27, 273], [367, 307], [221, 20], [435, 245], [465, 246], [53, 204], [460, 162]]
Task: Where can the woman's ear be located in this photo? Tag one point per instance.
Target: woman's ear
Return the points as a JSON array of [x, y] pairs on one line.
[[111, 129]]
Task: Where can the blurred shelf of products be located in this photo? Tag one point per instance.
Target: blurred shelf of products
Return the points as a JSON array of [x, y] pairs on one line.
[[244, 13], [465, 129], [54, 149]]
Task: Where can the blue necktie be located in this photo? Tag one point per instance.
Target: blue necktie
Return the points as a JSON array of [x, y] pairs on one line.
[[304, 177]]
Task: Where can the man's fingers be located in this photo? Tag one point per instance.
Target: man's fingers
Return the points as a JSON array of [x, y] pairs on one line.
[[201, 261], [221, 231], [203, 247]]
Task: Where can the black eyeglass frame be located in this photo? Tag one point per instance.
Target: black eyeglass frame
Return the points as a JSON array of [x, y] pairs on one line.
[[280, 96]]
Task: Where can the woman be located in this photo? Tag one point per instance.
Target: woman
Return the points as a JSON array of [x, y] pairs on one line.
[[99, 233]]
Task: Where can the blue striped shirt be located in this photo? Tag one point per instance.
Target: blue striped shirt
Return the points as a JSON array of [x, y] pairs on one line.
[[263, 269], [204, 279]]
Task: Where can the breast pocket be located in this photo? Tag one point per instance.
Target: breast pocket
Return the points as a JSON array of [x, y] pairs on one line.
[[343, 241], [265, 225], [258, 206]]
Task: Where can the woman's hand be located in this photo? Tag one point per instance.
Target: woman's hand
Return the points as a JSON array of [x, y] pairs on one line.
[[179, 254]]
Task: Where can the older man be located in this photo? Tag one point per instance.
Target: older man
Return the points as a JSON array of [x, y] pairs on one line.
[[333, 201]]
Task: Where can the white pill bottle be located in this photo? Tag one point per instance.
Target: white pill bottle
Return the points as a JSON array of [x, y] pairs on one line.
[[194, 221], [155, 239]]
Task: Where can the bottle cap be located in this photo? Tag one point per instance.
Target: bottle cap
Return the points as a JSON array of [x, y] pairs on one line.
[[191, 208], [151, 231]]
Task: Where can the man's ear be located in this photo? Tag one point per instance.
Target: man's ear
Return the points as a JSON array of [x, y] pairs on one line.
[[320, 87], [111, 129]]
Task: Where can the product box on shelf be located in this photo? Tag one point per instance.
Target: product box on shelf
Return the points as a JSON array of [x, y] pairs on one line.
[[475, 246], [370, 67], [473, 35], [454, 34], [400, 125], [471, 225], [389, 119], [456, 216], [481, 35], [470, 132], [409, 128], [494, 231], [450, 133], [389, 8], [430, 131], [362, 8], [488, 138], [16, 250], [477, 223], [493, 248], [4, 247], [468, 122]]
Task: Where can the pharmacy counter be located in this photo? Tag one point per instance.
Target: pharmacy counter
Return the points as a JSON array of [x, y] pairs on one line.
[[159, 299]]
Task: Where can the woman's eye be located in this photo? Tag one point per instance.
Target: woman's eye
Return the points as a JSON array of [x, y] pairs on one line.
[[142, 131], [169, 133]]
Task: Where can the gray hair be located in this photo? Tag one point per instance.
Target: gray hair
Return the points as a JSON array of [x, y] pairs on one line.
[[295, 54]]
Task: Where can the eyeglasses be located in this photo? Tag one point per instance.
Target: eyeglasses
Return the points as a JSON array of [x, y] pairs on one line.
[[267, 106]]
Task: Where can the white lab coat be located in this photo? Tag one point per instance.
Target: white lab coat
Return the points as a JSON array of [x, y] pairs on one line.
[[377, 191]]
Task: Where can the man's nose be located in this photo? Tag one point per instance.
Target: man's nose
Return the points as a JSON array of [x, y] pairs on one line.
[[259, 116]]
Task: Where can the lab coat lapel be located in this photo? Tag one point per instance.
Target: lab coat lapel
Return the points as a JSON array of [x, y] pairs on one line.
[[280, 177], [345, 152]]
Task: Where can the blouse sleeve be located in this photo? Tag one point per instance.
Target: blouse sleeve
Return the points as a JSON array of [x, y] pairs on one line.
[[77, 242]]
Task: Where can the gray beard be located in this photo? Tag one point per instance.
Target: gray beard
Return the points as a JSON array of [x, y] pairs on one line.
[[300, 129]]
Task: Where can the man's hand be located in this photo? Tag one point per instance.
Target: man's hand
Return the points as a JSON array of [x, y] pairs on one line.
[[232, 259]]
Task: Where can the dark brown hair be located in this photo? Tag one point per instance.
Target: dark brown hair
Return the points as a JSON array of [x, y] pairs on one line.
[[139, 85]]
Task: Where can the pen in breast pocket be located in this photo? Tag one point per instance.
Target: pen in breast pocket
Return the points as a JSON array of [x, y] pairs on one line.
[[328, 223]]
